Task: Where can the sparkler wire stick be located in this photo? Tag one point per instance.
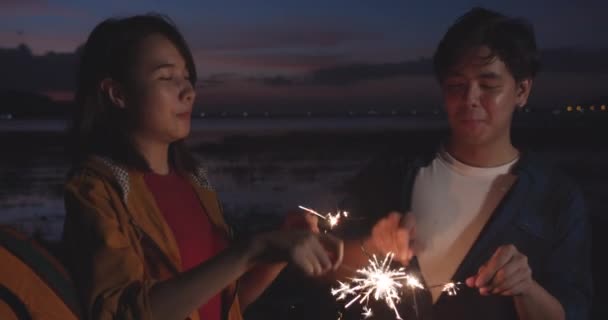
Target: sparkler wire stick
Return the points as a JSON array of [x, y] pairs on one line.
[[313, 212], [332, 218]]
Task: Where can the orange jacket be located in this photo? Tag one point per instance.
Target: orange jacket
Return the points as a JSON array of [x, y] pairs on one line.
[[119, 244], [33, 283]]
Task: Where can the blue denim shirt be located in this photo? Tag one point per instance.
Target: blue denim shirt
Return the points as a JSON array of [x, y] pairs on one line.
[[543, 215]]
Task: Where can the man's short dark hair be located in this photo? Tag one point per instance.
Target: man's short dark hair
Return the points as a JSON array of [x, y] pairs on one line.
[[510, 39]]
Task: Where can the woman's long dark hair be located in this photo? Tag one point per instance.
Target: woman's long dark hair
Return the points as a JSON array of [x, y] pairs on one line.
[[98, 126]]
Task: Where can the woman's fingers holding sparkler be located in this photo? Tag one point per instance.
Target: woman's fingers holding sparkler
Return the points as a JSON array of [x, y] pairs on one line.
[[315, 254], [335, 248], [311, 258], [297, 220], [506, 273], [312, 222]]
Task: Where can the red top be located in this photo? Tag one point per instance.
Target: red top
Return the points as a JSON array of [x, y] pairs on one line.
[[196, 237]]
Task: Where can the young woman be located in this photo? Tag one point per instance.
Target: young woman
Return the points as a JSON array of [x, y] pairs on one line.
[[144, 230]]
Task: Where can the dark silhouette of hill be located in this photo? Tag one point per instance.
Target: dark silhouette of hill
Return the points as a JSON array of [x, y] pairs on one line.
[[27, 76], [20, 105], [26, 72]]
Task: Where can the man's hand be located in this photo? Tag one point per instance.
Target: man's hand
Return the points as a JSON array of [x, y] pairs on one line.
[[507, 273], [393, 233]]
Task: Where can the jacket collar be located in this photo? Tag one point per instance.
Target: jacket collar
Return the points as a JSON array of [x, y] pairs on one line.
[[144, 214]]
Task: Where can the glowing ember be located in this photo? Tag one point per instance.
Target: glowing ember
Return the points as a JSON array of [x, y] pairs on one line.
[[451, 288], [413, 282]]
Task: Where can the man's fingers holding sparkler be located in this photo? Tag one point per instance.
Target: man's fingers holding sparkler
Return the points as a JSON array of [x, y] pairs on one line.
[[506, 273], [406, 236], [515, 281], [393, 233], [487, 272]]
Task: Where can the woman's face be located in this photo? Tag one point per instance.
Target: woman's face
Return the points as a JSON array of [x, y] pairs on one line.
[[162, 96]]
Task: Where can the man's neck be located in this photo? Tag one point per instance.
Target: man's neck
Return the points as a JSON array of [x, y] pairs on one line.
[[488, 155]]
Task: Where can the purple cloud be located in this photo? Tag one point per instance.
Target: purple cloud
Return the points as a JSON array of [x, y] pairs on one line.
[[229, 38]]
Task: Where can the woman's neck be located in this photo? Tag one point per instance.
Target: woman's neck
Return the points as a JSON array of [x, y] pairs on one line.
[[155, 153]]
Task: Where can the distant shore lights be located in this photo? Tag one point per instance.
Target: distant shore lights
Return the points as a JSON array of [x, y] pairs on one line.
[[592, 108]]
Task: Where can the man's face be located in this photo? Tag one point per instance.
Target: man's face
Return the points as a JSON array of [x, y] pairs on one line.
[[480, 96]]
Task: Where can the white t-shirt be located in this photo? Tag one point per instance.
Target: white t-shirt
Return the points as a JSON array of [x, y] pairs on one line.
[[452, 202]]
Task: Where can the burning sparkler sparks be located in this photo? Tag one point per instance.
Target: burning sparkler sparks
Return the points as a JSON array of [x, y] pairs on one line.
[[413, 282], [451, 288], [380, 281], [377, 280], [332, 218], [367, 312]]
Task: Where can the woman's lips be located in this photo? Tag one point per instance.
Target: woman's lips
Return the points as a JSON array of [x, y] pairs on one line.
[[184, 115]]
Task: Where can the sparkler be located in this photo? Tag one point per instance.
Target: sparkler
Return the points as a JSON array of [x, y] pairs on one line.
[[413, 282], [451, 288], [381, 282], [377, 279], [332, 218]]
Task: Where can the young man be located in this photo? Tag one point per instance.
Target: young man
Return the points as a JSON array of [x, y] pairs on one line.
[[511, 229]]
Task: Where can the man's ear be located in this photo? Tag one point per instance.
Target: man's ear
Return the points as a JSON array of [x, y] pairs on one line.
[[523, 92], [114, 91]]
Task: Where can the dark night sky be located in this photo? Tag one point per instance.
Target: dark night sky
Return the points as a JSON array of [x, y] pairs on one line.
[[269, 54]]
